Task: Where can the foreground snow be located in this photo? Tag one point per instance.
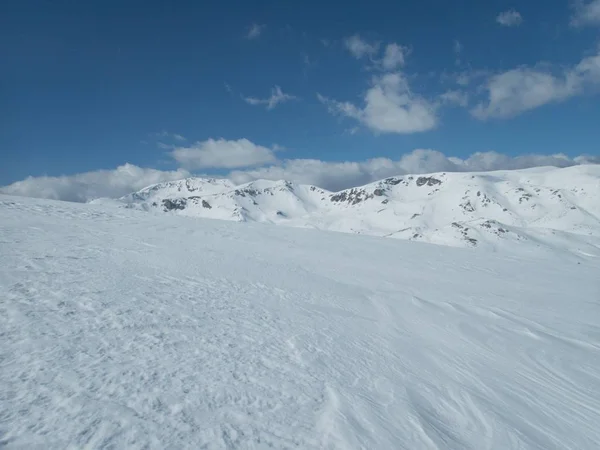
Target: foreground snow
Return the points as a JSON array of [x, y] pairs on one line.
[[128, 330]]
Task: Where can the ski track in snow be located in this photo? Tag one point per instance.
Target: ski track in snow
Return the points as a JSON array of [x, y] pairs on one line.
[[126, 330]]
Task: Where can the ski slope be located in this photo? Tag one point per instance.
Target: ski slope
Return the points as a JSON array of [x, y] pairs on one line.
[[122, 329], [556, 209]]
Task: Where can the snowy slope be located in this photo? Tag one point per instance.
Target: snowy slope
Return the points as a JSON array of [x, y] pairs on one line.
[[122, 329], [555, 208]]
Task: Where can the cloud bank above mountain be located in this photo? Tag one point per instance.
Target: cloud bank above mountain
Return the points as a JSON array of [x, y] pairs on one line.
[[330, 175]]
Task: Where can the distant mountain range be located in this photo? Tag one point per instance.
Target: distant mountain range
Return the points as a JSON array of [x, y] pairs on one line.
[[541, 207]]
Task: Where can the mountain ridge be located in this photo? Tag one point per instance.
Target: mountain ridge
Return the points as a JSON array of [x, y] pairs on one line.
[[542, 206]]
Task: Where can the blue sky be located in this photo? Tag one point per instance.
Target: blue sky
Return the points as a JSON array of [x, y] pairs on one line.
[[260, 87]]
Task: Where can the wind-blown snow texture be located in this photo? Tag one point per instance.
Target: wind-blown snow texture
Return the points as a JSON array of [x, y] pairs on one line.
[[541, 207], [122, 329]]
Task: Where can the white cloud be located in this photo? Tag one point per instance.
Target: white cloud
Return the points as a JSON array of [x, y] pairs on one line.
[[336, 176], [221, 153], [523, 89], [333, 176], [254, 31], [390, 107], [586, 13], [359, 47], [277, 97], [393, 56], [587, 72], [89, 185], [455, 97], [510, 18], [519, 90]]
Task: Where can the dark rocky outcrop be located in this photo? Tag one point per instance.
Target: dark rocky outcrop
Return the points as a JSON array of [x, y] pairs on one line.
[[393, 181], [248, 191], [429, 181], [174, 204], [352, 196]]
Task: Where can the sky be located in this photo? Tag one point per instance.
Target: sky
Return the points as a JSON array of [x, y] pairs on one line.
[[100, 98]]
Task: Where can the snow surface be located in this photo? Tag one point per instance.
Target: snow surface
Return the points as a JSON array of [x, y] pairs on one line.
[[557, 209], [122, 329]]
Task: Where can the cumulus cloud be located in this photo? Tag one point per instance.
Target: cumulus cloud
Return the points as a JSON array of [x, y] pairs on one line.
[[222, 153], [390, 107], [586, 13], [360, 47], [523, 89], [336, 176], [90, 185], [277, 97], [510, 18], [254, 31]]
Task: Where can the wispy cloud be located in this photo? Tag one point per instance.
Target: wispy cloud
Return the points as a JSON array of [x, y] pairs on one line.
[[166, 135], [457, 48], [307, 63], [586, 13], [359, 47], [393, 57], [516, 91], [254, 31], [277, 97], [510, 18], [455, 97]]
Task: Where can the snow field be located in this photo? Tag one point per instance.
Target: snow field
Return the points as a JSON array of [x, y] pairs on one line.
[[122, 329]]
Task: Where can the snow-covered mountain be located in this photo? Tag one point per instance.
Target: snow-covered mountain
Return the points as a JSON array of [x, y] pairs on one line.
[[540, 207]]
